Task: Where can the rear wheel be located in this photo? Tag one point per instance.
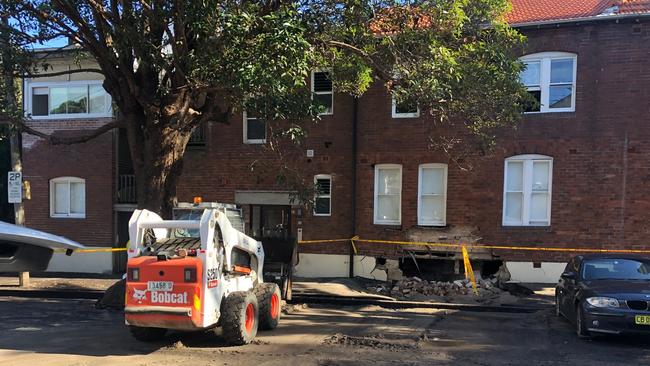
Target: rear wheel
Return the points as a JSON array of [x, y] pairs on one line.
[[268, 298], [581, 328], [240, 318], [146, 334]]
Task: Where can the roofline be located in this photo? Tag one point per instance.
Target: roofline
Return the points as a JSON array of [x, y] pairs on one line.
[[594, 18]]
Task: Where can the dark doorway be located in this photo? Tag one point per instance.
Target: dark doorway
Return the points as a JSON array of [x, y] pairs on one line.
[[122, 238]]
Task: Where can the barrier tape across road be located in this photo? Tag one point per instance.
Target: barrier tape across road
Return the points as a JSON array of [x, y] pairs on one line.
[[458, 246]]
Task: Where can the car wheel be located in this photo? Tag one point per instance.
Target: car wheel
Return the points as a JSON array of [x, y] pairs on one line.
[[581, 329], [558, 312]]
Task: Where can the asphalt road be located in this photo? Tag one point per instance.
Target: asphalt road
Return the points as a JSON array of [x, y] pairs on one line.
[[66, 332]]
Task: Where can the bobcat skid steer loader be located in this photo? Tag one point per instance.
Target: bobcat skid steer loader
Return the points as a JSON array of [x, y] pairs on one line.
[[195, 273]]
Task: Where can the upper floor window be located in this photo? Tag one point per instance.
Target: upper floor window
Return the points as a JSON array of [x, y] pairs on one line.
[[388, 194], [550, 78], [527, 190], [254, 129], [67, 99], [322, 92], [323, 198], [432, 194], [68, 197], [404, 110]]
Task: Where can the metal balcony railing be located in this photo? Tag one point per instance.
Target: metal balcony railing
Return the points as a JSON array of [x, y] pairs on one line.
[[126, 191]]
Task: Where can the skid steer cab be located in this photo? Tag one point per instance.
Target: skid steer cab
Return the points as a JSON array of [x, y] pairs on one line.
[[196, 272]]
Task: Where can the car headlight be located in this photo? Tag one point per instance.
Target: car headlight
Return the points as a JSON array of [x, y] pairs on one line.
[[603, 302]]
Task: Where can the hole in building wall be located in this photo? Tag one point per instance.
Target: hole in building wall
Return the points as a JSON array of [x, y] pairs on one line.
[[446, 269]]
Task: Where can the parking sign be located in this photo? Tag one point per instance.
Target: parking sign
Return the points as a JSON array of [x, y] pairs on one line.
[[15, 187]]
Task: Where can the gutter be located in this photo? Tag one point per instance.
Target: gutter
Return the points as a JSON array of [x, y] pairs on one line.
[[355, 120], [589, 19]]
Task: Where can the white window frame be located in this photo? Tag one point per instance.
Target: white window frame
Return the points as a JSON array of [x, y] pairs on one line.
[[395, 114], [544, 59], [319, 195], [252, 141], [29, 85], [377, 221], [67, 180], [421, 222], [331, 112], [527, 160]]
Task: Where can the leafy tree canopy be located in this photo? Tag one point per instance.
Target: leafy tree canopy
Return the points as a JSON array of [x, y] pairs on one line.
[[172, 65]]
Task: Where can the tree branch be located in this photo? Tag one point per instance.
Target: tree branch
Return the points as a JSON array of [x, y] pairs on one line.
[[383, 74], [54, 140], [59, 73]]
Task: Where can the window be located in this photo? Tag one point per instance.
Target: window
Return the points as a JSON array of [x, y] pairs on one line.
[[73, 99], [550, 78], [68, 197], [322, 92], [404, 110], [527, 191], [432, 194], [388, 194], [254, 129], [323, 199]]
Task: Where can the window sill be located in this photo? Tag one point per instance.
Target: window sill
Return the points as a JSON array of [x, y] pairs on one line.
[[254, 142], [562, 111], [534, 228], [433, 226], [67, 216], [405, 115], [322, 215], [66, 117]]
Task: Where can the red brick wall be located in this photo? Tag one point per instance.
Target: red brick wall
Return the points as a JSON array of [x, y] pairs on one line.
[[92, 161], [600, 170]]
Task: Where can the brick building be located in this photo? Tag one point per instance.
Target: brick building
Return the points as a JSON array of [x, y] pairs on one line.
[[573, 174]]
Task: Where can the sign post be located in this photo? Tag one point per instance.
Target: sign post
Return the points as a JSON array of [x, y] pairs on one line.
[[15, 187]]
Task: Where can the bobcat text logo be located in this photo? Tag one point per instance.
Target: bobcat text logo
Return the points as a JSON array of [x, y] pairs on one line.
[[139, 295], [168, 298]]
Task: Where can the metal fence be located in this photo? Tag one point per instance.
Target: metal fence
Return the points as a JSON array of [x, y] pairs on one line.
[[126, 191]]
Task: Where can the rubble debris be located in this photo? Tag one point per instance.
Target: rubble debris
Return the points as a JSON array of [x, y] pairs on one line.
[[376, 342], [292, 308], [417, 289]]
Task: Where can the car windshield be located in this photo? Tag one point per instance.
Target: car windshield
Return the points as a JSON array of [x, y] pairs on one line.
[[616, 269]]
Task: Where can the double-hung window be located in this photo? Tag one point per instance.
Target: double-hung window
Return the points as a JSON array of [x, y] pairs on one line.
[[527, 190], [322, 91], [71, 99], [432, 194], [254, 129], [404, 109], [323, 197], [388, 194], [550, 78], [68, 197]]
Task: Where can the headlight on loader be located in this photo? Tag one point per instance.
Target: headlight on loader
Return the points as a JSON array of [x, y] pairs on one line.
[[603, 302]]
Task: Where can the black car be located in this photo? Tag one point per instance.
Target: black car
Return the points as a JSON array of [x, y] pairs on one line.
[[605, 294]]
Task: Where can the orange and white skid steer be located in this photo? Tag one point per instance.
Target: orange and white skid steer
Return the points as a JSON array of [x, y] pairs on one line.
[[196, 272]]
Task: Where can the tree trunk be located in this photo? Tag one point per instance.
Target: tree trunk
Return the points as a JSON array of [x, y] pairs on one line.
[[157, 153]]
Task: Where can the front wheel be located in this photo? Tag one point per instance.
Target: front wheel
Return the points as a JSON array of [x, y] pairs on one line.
[[240, 318], [581, 328], [268, 298]]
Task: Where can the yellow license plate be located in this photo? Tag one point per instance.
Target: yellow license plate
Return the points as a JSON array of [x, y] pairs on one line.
[[642, 319]]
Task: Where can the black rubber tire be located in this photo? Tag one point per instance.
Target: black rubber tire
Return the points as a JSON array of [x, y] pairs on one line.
[[581, 331], [146, 334], [233, 318], [270, 309]]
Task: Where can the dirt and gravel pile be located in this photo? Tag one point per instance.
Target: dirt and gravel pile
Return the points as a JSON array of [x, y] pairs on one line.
[[375, 342]]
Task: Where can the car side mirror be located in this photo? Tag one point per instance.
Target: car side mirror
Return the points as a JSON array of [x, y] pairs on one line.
[[568, 276]]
